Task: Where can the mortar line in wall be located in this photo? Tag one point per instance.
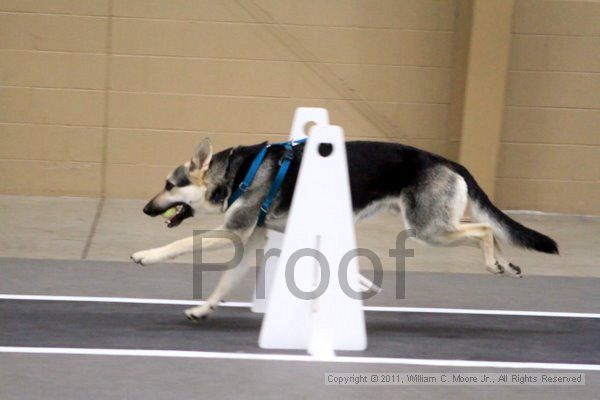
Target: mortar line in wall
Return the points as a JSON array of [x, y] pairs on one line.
[[232, 59], [566, 35], [593, 145], [83, 163], [556, 180], [152, 130], [231, 96], [105, 126], [552, 107], [59, 124], [554, 71], [224, 22]]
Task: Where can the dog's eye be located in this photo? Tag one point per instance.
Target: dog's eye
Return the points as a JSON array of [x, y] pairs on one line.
[[169, 185], [218, 196]]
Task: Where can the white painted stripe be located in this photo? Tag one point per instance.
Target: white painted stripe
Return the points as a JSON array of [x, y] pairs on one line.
[[483, 312], [248, 305], [133, 300], [295, 357], [548, 214]]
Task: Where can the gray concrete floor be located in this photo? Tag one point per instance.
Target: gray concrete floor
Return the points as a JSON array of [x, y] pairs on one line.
[[65, 377], [61, 228], [34, 376], [57, 246]]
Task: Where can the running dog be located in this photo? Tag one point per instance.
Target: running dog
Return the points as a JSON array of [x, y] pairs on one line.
[[430, 192]]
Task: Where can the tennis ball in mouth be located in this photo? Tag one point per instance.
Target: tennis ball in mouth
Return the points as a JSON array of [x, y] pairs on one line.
[[170, 212]]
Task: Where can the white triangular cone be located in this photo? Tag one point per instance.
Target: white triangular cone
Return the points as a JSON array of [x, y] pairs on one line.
[[264, 276], [320, 218], [305, 115], [265, 273], [320, 340]]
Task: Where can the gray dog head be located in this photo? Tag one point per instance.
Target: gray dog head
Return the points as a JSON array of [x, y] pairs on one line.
[[198, 185]]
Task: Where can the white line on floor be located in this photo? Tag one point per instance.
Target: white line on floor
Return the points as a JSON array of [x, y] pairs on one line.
[[482, 312], [133, 300], [248, 305], [294, 357]]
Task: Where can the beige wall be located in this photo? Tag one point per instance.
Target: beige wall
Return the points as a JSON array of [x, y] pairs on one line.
[[106, 96], [120, 91], [550, 148], [483, 61]]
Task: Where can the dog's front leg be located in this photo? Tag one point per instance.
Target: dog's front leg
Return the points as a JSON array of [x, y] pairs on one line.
[[163, 253], [231, 277], [175, 249]]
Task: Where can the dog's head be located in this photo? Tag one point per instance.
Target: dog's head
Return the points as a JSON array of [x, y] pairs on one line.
[[198, 185]]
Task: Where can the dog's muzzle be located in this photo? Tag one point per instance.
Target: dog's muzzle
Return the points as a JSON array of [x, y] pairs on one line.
[[150, 210], [184, 211]]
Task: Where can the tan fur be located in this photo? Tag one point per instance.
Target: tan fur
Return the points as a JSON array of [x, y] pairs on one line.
[[197, 176], [480, 234]]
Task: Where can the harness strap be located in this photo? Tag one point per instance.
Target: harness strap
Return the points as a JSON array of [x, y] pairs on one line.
[[249, 177], [285, 164], [279, 178]]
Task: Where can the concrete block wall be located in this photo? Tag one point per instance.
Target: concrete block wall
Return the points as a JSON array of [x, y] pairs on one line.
[[104, 97], [550, 147], [109, 95]]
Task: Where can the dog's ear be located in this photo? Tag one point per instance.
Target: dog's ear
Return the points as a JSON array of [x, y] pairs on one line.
[[202, 156]]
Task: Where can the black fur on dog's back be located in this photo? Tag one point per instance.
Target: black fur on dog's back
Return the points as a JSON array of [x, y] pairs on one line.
[[379, 170]]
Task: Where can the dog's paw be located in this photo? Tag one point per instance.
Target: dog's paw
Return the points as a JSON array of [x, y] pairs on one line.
[[514, 270], [199, 312], [509, 269], [146, 257], [496, 269]]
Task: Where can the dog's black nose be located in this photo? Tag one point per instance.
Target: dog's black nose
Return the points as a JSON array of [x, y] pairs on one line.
[[148, 209]]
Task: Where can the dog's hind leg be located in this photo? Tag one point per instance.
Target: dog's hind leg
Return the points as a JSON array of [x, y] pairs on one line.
[[434, 209], [479, 234], [231, 277]]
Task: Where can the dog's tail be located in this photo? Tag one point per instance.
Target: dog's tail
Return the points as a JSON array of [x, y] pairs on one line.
[[505, 228]]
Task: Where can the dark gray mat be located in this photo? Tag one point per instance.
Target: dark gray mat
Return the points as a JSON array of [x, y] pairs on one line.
[[410, 335], [423, 289]]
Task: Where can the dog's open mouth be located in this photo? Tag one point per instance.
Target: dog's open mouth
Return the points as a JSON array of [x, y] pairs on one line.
[[175, 215]]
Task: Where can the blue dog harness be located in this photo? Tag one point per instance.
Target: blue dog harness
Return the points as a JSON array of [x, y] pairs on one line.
[[283, 169]]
